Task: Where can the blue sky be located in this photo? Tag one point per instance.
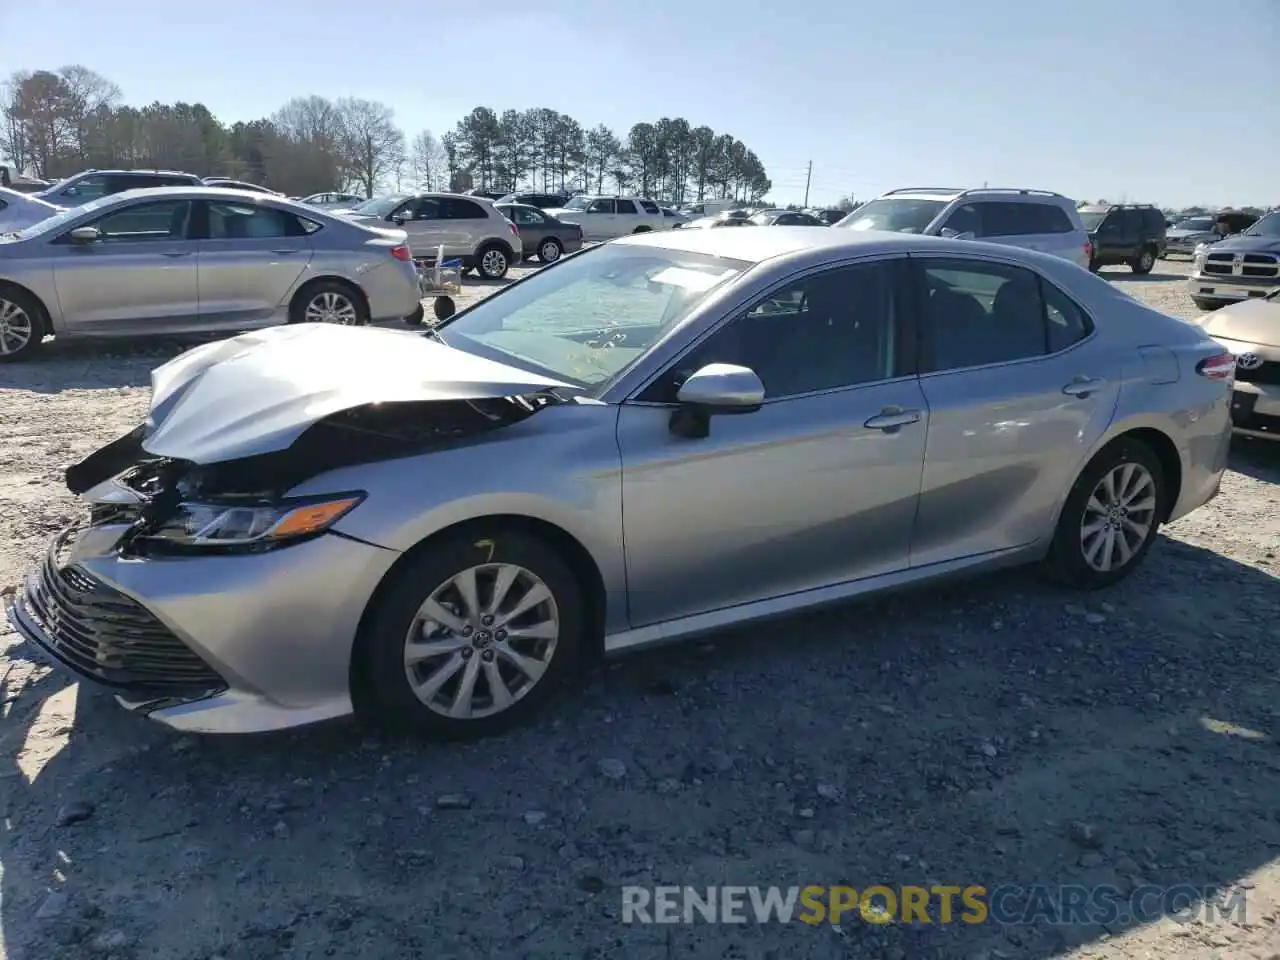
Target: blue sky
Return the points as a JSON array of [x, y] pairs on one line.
[[1167, 102]]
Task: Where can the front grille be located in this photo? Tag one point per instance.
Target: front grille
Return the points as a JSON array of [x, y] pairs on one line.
[[1259, 266], [1268, 373], [108, 637]]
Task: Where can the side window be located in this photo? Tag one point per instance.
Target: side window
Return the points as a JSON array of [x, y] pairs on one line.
[[424, 208], [650, 206], [1001, 219], [965, 219], [88, 188], [142, 222], [1130, 222], [188, 182], [830, 330], [234, 221], [451, 208], [600, 206], [1045, 218], [1067, 323], [979, 313], [626, 206]]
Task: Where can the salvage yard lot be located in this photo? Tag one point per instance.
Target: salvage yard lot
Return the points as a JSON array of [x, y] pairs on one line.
[[993, 732]]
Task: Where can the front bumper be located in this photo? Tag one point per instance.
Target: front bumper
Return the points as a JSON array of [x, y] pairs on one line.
[[217, 644], [1221, 287], [1255, 410]]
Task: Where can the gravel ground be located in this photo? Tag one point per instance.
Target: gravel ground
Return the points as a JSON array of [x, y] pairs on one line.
[[993, 732]]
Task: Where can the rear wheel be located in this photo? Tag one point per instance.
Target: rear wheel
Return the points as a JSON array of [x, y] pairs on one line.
[[329, 301], [21, 325], [493, 262], [474, 635], [1144, 262], [550, 250], [1110, 519]]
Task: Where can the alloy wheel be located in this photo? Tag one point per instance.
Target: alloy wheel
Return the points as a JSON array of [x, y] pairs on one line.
[[481, 641], [16, 327], [549, 252], [1119, 516], [331, 307], [493, 263]]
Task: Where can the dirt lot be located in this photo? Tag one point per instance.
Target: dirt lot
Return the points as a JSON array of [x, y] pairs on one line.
[[997, 732]]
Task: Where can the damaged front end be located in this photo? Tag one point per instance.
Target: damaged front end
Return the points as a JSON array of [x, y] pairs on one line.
[[143, 506]]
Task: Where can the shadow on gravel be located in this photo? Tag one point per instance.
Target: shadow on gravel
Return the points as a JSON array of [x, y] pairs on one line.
[[95, 364], [1255, 458], [1122, 277], [993, 732]]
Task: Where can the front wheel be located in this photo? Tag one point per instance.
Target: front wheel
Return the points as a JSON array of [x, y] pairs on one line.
[[21, 325], [474, 635], [1110, 519]]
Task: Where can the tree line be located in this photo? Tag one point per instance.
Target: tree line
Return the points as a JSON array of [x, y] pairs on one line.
[[56, 123]]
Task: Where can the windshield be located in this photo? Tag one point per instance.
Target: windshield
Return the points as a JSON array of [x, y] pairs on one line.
[[1195, 224], [1268, 226], [577, 203], [58, 220], [593, 315], [379, 206], [898, 215]]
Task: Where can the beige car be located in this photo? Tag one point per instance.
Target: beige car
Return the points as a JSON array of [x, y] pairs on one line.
[[1250, 329]]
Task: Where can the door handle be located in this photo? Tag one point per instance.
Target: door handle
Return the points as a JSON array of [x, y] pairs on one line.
[[176, 253], [1083, 386], [892, 418], [282, 252]]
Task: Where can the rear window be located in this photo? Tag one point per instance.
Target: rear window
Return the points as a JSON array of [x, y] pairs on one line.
[[1092, 218], [1154, 219], [452, 208], [650, 206]]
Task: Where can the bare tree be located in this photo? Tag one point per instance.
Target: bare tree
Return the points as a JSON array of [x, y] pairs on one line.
[[373, 142], [429, 162]]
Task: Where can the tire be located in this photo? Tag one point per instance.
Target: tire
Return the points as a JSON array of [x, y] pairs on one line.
[[493, 260], [550, 250], [22, 325], [329, 301], [1069, 560], [397, 617], [642, 230], [1145, 261]]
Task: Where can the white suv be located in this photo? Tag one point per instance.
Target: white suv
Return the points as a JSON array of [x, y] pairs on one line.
[[1036, 219]]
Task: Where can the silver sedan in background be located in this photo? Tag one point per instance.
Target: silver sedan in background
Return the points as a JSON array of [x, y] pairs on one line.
[[660, 436], [174, 260]]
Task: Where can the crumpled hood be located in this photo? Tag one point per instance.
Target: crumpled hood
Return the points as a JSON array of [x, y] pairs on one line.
[[257, 393], [1249, 321], [1242, 244]]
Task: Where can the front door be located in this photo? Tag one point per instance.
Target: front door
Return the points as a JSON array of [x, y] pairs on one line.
[[139, 276], [810, 490], [1018, 391]]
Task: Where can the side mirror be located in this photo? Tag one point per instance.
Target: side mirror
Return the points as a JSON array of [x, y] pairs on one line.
[[86, 235], [444, 308], [716, 389], [398, 219]]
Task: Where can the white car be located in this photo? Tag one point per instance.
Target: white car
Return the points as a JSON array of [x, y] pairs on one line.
[[606, 218], [21, 210], [332, 202]]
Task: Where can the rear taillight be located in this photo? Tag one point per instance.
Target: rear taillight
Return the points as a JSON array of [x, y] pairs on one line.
[[515, 231], [1220, 367], [402, 253], [1088, 249]]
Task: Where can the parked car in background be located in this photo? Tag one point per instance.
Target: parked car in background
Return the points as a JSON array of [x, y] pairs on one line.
[[542, 235], [603, 218], [1190, 232], [1133, 234], [1241, 267], [674, 217], [829, 217], [469, 227], [18, 210], [785, 218], [1250, 329], [543, 201], [708, 208], [1034, 219], [450, 526], [332, 201], [240, 185], [714, 223], [485, 194], [92, 184], [196, 259]]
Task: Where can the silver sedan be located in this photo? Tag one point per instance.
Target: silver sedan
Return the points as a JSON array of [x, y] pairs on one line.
[[657, 437], [177, 260]]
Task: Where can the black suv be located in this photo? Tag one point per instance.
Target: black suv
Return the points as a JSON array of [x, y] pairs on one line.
[[543, 201], [92, 184], [1130, 233]]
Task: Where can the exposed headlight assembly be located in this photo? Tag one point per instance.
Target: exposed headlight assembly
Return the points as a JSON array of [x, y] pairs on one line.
[[245, 527]]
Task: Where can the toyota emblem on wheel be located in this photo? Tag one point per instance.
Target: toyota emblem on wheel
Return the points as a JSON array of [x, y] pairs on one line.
[[1248, 361]]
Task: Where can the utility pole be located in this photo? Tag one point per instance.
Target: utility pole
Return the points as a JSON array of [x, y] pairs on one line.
[[807, 177]]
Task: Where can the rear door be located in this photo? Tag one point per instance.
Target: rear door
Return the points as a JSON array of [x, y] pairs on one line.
[[139, 277], [249, 257], [627, 216], [1019, 389], [466, 225]]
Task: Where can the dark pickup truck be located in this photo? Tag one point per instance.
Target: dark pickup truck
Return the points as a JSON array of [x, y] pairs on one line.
[[1125, 233]]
